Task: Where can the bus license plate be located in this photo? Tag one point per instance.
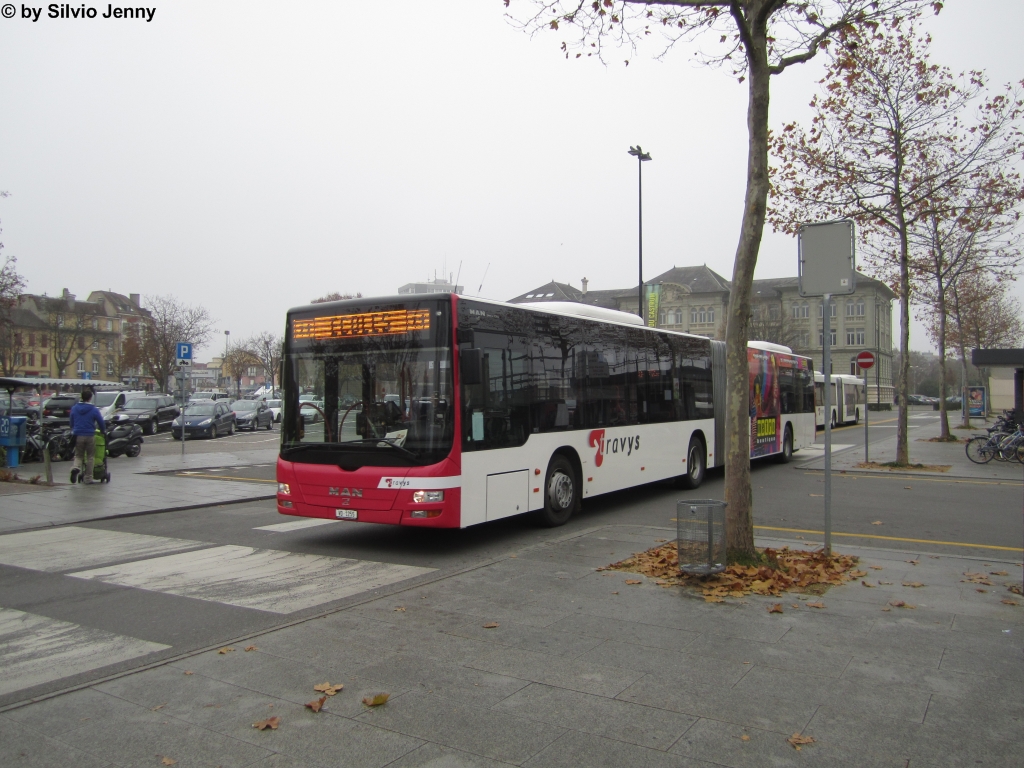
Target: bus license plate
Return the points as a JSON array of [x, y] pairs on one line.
[[346, 514]]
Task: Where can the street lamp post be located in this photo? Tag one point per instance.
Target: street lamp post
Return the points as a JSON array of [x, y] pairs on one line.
[[223, 366], [640, 156]]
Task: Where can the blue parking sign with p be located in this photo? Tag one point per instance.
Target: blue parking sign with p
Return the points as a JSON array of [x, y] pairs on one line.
[[184, 353]]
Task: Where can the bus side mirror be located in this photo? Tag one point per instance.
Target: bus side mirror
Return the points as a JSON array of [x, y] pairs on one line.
[[470, 365]]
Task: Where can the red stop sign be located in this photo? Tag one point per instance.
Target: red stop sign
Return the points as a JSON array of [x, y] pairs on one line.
[[865, 359]]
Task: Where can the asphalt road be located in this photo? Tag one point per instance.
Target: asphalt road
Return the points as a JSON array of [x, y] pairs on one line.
[[167, 584]]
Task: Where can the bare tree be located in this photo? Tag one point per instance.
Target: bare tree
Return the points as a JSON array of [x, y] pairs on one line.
[[170, 322], [769, 322], [335, 296], [890, 144], [69, 328], [236, 362], [11, 285], [758, 39], [267, 348]]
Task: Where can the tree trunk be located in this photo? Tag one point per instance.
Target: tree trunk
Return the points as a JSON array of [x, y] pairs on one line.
[[943, 415], [738, 496], [902, 422]]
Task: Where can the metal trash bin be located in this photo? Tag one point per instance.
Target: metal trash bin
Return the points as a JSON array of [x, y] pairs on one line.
[[700, 536]]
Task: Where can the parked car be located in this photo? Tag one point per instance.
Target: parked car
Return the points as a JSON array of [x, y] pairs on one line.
[[112, 400], [205, 419], [917, 400], [57, 409], [310, 408], [209, 395], [275, 406], [252, 414], [151, 412], [22, 404]]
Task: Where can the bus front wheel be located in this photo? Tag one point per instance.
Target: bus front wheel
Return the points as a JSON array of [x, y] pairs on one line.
[[786, 455], [561, 493], [696, 464]]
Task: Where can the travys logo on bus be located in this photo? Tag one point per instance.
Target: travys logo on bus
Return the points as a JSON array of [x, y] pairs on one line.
[[612, 445]]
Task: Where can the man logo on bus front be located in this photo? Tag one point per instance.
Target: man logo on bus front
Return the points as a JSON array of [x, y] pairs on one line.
[[624, 445]]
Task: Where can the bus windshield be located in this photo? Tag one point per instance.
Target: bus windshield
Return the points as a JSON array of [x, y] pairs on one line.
[[383, 400]]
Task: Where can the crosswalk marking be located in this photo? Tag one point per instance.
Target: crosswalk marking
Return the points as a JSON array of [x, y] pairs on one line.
[[309, 522], [62, 549], [262, 579], [37, 649]]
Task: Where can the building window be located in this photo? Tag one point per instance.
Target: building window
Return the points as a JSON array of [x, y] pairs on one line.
[[60, 321], [80, 365], [831, 336], [95, 324], [31, 339], [44, 342], [110, 325], [801, 311], [95, 365], [95, 343], [831, 309], [42, 360], [110, 367], [860, 336]]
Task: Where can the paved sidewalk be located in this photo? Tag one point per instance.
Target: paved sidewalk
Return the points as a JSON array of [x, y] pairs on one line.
[[922, 451], [582, 669], [133, 489]]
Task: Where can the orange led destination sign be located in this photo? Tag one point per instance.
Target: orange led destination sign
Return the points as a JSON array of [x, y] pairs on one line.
[[366, 324]]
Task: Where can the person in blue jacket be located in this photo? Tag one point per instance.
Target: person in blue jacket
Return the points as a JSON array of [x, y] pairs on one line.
[[85, 420]]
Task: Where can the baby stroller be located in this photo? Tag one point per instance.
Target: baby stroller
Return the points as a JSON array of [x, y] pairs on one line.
[[99, 462]]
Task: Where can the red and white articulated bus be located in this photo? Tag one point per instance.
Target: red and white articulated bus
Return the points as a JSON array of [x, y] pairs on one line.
[[445, 411]]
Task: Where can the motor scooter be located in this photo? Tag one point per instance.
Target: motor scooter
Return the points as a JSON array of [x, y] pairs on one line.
[[124, 439]]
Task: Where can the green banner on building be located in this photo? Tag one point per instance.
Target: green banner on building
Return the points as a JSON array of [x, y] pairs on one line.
[[653, 296]]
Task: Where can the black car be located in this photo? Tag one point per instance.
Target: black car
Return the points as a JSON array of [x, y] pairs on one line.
[[57, 409], [252, 414], [205, 419], [151, 413]]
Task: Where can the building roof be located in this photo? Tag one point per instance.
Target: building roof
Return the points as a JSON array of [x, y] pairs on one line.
[[123, 304], [552, 291], [23, 318], [698, 279]]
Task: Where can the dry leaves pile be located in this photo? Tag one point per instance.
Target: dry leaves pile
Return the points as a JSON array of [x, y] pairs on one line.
[[793, 570]]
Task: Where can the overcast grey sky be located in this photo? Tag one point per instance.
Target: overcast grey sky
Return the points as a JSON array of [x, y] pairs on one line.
[[249, 156]]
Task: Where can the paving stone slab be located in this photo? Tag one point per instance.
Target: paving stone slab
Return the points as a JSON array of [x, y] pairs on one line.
[[597, 715], [450, 680], [578, 749], [885, 700], [62, 714], [761, 709], [506, 609], [957, 747], [583, 676], [1008, 666], [527, 638], [823, 660], [436, 756], [28, 748], [495, 735], [632, 632], [323, 738], [723, 744], [322, 645], [683, 668]]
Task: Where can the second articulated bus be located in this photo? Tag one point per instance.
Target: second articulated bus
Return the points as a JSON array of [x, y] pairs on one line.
[[846, 399], [444, 411]]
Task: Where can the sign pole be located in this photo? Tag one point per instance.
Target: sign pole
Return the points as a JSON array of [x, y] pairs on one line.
[[826, 366], [867, 410]]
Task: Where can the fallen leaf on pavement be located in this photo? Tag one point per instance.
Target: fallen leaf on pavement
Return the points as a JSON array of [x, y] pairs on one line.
[[775, 608], [796, 740], [877, 522], [876, 567], [815, 494], [634, 581], [270, 722], [1015, 588], [400, 609], [491, 625], [872, 586], [711, 599], [897, 603], [168, 761], [251, 648], [660, 541], [906, 487], [999, 573], [912, 562], [327, 688], [744, 737], [317, 704], [857, 574], [914, 584], [979, 589], [886, 583], [376, 700], [189, 672], [1008, 601], [226, 649], [887, 609], [815, 605], [794, 605]]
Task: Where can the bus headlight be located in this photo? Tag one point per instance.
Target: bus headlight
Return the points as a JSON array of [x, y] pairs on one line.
[[284, 488], [426, 496]]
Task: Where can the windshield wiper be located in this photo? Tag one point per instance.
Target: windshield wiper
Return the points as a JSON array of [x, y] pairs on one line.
[[387, 441]]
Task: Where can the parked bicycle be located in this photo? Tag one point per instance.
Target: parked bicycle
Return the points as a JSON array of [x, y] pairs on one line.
[[1002, 446]]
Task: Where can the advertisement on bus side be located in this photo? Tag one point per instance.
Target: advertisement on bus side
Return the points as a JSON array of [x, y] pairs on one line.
[[765, 398]]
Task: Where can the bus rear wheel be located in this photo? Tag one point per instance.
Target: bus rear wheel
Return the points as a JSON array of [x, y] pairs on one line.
[[561, 493], [696, 464]]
